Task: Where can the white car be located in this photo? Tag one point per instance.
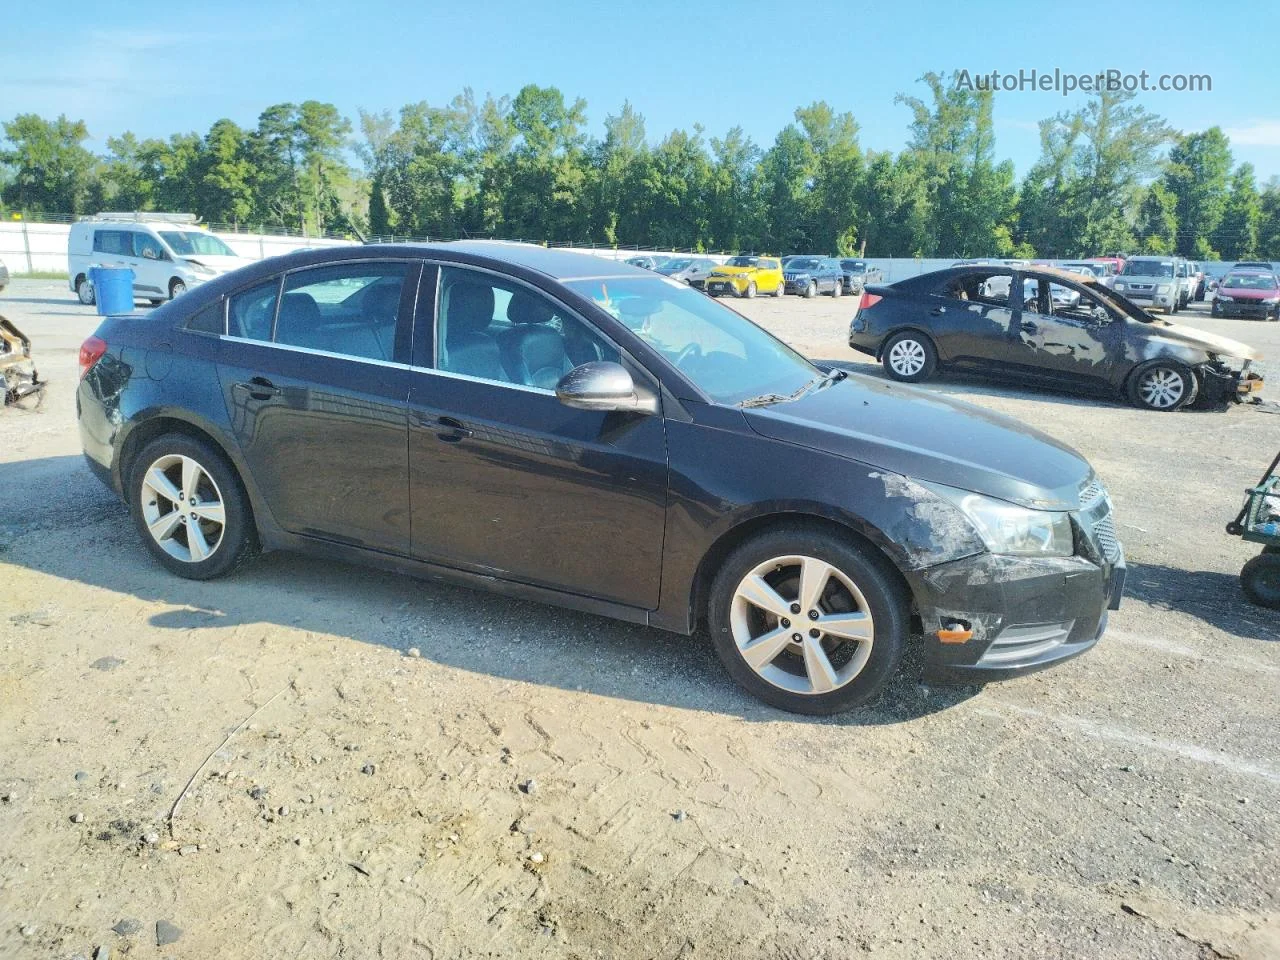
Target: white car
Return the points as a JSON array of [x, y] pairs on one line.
[[168, 253]]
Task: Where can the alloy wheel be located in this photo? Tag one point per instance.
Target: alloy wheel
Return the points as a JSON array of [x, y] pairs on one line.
[[183, 508], [1162, 388], [907, 357], [801, 625]]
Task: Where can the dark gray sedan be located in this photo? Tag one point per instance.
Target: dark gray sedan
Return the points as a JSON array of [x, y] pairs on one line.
[[691, 270]]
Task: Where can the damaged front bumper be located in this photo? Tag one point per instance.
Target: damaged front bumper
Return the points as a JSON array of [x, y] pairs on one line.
[[1220, 383], [1015, 614]]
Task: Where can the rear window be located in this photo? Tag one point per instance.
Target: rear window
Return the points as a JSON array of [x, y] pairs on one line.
[[116, 242], [209, 320], [251, 313]]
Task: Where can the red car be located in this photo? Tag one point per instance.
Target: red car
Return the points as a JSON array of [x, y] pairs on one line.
[[1251, 294]]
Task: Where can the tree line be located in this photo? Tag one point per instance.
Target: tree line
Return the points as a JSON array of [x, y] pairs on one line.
[[1112, 176]]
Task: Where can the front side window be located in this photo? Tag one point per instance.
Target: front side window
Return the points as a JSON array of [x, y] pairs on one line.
[[351, 309], [500, 330], [251, 312], [723, 353], [990, 288], [147, 246]]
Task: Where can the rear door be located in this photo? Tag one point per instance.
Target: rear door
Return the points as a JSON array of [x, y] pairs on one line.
[[314, 370], [506, 480], [971, 317]]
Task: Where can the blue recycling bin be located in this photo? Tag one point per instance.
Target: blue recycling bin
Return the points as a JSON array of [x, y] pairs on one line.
[[112, 289]]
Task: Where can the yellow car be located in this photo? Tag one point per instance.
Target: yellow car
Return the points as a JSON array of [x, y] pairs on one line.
[[747, 276]]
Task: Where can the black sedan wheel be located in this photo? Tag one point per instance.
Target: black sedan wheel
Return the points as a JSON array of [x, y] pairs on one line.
[[1260, 579], [1163, 385], [909, 357], [806, 621], [190, 509]]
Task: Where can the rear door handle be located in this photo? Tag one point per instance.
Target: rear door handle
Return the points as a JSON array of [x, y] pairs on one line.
[[260, 388], [937, 311], [451, 430]]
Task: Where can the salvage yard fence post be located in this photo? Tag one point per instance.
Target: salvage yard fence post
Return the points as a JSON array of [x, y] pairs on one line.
[[26, 245]]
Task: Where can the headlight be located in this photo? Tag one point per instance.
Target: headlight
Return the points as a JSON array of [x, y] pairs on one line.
[[1119, 285], [1162, 288], [1011, 530], [1271, 301], [1224, 298]]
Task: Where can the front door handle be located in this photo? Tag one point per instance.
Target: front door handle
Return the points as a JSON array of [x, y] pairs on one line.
[[260, 388], [451, 430]]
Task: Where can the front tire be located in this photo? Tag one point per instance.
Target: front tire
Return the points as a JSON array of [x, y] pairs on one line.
[[1260, 580], [909, 357], [811, 290], [1163, 386], [807, 620], [84, 292], [751, 291], [190, 508], [837, 291]]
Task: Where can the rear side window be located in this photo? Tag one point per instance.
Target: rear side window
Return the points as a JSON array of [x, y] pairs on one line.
[[209, 320], [250, 313], [117, 242], [352, 309]]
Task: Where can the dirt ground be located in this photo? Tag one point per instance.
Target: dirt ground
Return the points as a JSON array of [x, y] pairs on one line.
[[536, 782]]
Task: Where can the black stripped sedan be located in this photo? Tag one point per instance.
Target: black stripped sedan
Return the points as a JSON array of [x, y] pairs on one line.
[[1046, 326], [560, 428]]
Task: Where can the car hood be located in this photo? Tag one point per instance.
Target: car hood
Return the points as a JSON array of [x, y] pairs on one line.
[[919, 435], [1248, 293], [221, 264], [1209, 342]]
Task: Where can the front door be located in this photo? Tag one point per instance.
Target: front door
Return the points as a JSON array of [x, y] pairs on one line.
[[315, 375], [971, 317], [1063, 333], [504, 479]]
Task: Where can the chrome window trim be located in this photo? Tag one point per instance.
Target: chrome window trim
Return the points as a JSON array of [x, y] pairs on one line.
[[543, 391], [316, 353]]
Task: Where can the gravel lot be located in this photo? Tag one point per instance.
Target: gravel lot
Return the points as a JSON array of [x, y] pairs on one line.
[[526, 780]]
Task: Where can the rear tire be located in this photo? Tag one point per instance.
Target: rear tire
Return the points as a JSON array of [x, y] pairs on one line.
[[909, 356], [84, 291], [190, 508], [176, 288], [780, 289], [1163, 386], [762, 584], [1260, 580]]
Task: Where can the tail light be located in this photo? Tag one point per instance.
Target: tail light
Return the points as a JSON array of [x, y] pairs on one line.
[[91, 352], [869, 300]]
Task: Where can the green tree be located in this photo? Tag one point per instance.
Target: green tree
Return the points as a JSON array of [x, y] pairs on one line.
[[1269, 221], [1196, 173], [51, 171], [1157, 226], [1237, 235], [379, 212], [126, 180], [224, 192], [838, 173], [546, 198]]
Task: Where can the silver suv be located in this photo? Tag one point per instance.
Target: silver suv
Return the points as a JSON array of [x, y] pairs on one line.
[[1152, 281]]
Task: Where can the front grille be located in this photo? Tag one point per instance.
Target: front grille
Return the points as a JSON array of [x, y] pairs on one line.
[[1091, 493], [1104, 534], [1025, 642]]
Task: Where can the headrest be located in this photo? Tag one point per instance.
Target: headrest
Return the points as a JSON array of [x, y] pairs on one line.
[[470, 308], [298, 311], [526, 308], [382, 302]]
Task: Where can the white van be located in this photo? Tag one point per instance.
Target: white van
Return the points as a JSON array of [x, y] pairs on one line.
[[167, 252]]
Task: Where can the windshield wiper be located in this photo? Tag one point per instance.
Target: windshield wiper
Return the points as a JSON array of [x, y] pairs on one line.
[[767, 399]]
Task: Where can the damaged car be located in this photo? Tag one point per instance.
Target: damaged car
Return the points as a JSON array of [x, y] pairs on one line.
[[524, 420], [1062, 330], [19, 378]]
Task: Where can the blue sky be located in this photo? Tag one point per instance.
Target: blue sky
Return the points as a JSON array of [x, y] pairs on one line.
[[160, 68]]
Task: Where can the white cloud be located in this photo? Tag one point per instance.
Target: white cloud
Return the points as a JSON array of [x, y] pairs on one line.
[[1259, 133]]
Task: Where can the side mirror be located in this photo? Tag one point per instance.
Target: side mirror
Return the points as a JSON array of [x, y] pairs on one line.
[[603, 385]]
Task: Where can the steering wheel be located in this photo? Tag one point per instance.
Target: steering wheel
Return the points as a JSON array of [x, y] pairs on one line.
[[690, 351]]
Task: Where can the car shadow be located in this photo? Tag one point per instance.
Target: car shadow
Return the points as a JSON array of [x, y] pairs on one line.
[[58, 519], [1214, 598]]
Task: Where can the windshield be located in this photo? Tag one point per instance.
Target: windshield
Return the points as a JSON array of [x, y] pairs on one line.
[[727, 356], [672, 266], [1249, 281], [742, 261], [192, 243], [803, 263], [1148, 268], [854, 265]]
